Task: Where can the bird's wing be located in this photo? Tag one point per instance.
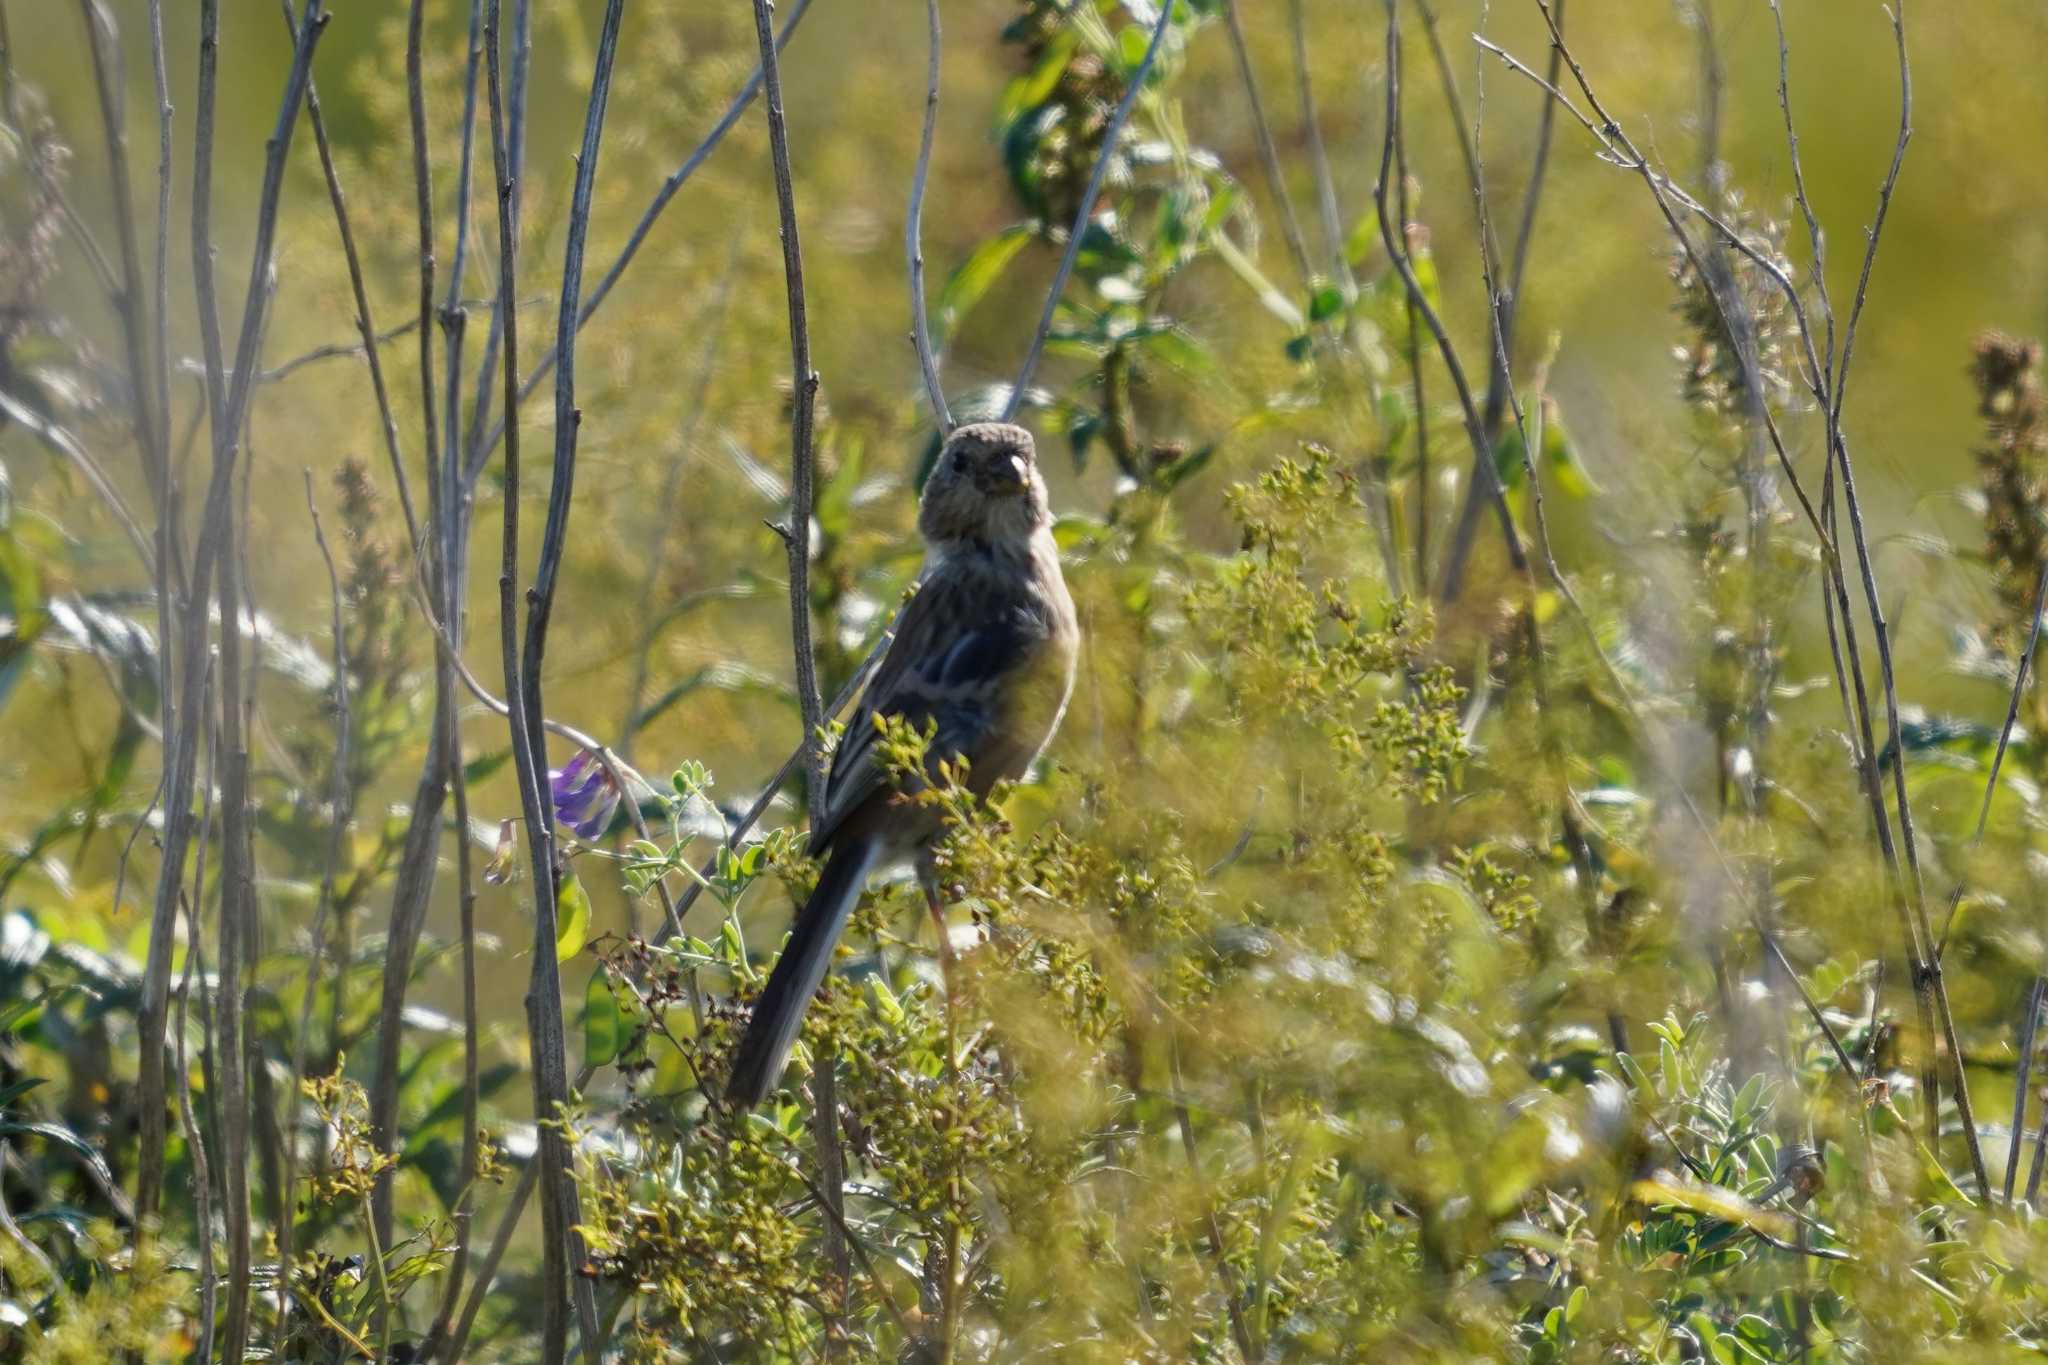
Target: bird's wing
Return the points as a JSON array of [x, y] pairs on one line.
[[953, 660]]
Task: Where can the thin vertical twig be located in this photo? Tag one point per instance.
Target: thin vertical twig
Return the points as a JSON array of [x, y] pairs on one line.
[[1455, 103], [454, 551], [501, 1240], [2029, 1023], [170, 552], [418, 861], [1494, 412], [226, 400], [483, 442], [2040, 1162], [1318, 155], [832, 1187], [146, 364], [803, 407], [1816, 239], [1397, 133], [103, 38], [144, 329], [423, 197], [160, 315], [476, 450], [1379, 496], [1269, 155], [1817, 244], [1463, 530], [472, 1137], [913, 245], [554, 1325], [1110, 134], [1896, 12], [1483, 468], [454, 318], [560, 1217], [1509, 301], [366, 326], [2012, 715], [340, 810], [1233, 1293], [1532, 200], [202, 1173], [237, 940]]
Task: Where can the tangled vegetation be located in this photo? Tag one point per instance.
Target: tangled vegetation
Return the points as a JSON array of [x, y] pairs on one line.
[[1487, 901]]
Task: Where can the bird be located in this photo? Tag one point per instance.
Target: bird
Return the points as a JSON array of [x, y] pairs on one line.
[[984, 655]]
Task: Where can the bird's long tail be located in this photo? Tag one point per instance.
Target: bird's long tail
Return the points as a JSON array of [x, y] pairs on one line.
[[779, 1012]]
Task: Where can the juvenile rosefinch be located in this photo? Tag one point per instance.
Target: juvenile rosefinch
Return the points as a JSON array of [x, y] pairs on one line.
[[985, 652]]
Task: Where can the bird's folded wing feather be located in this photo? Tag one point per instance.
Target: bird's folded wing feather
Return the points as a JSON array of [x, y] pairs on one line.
[[955, 656]]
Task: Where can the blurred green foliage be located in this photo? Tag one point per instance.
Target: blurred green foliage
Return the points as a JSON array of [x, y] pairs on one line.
[[1362, 977]]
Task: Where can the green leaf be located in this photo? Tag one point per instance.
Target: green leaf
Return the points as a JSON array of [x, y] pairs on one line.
[[1755, 1328], [1424, 265], [965, 287], [10, 1093], [833, 506], [1270, 297], [23, 613], [442, 1116], [483, 765], [1188, 465], [1560, 464], [572, 918], [1325, 302], [1081, 434], [1364, 238], [1176, 346], [604, 1025], [1561, 457], [1131, 43], [61, 1136], [1638, 1078], [1510, 457], [1029, 90], [1745, 1101]]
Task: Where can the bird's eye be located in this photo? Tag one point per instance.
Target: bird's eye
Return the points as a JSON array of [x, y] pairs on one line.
[[959, 462]]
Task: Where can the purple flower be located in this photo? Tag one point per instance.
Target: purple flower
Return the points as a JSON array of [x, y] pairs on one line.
[[585, 796]]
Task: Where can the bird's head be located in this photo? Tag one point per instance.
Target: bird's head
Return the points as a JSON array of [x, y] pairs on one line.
[[985, 486]]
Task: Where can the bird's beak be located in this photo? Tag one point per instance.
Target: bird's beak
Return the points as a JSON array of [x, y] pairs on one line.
[[1013, 476]]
